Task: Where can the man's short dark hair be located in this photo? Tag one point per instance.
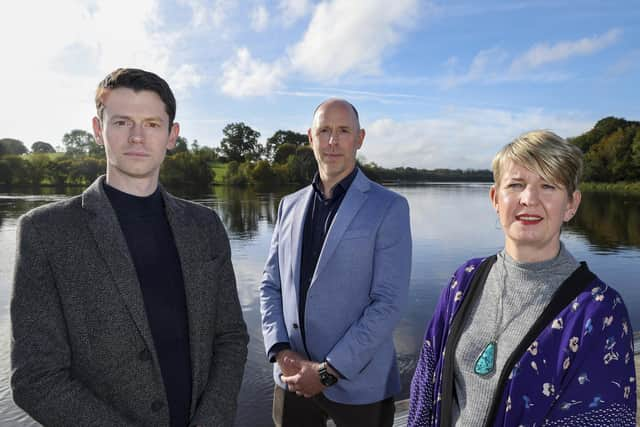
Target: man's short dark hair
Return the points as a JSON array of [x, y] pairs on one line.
[[136, 80]]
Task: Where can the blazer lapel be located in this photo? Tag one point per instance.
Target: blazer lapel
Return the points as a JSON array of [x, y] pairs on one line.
[[297, 233], [194, 257], [112, 245], [351, 204]]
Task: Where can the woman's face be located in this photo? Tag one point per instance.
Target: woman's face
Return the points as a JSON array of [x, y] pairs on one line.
[[531, 212]]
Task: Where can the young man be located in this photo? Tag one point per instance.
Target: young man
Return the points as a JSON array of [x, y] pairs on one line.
[[124, 308], [335, 282]]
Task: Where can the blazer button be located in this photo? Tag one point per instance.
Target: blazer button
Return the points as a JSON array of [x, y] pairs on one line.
[[295, 326], [144, 355], [156, 405]]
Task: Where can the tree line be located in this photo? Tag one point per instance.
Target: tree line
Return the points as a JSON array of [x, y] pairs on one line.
[[611, 151], [285, 158], [612, 154]]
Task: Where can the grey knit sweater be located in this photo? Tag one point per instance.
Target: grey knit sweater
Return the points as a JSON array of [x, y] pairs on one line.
[[529, 288]]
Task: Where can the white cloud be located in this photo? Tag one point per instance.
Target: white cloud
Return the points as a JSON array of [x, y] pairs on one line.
[[347, 36], [184, 78], [245, 76], [544, 53], [343, 36], [259, 18], [199, 13], [293, 10], [221, 11], [205, 15], [493, 65], [459, 138], [54, 70], [484, 66]]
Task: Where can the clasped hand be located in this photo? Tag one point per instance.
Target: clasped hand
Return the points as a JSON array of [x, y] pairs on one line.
[[299, 373]]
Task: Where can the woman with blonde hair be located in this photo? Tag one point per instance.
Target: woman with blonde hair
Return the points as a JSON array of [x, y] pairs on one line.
[[529, 336]]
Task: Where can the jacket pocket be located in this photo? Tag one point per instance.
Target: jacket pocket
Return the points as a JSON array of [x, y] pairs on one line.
[[361, 233]]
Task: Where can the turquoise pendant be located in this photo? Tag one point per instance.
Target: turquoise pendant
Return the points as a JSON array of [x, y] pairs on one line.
[[486, 362]]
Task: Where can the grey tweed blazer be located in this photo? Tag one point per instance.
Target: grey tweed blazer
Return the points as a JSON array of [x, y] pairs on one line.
[[82, 351]]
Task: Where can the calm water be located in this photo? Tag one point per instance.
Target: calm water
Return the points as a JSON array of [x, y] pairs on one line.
[[450, 223]]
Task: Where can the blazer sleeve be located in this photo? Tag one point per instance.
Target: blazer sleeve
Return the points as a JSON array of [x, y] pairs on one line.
[[42, 382], [422, 400], [388, 294], [274, 330], [217, 404]]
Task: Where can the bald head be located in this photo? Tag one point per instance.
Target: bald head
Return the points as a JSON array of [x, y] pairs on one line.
[[337, 101], [335, 137]]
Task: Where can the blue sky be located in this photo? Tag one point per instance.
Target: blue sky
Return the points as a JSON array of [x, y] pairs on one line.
[[437, 83]]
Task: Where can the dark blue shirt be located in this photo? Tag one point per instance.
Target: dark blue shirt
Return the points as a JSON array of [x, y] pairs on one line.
[[318, 220], [153, 251]]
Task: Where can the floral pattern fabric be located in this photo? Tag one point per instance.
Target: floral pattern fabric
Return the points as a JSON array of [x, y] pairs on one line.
[[579, 371]]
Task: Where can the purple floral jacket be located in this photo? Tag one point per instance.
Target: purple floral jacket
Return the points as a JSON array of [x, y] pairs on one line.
[[575, 367]]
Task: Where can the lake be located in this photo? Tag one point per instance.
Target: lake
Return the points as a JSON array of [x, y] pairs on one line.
[[450, 223]]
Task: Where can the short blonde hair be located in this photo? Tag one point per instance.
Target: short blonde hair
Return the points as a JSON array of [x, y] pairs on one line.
[[545, 153]]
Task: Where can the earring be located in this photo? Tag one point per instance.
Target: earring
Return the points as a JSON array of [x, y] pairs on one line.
[[497, 225]]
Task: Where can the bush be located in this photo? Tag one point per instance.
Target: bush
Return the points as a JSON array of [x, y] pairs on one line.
[[186, 169]]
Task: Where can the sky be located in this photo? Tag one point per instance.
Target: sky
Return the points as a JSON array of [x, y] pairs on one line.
[[438, 84]]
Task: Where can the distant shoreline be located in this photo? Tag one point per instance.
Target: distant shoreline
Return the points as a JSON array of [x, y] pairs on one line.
[[632, 188]]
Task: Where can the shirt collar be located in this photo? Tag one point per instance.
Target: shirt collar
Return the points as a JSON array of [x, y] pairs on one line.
[[340, 188]]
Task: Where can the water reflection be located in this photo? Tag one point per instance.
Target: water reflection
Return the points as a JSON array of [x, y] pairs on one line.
[[241, 209], [450, 223], [608, 221]]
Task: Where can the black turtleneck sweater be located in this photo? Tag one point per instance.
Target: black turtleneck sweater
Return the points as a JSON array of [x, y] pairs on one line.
[[153, 250]]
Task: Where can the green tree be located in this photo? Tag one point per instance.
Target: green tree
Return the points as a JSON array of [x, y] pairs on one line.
[[281, 137], [14, 170], [187, 170], [263, 174], [10, 146], [182, 146], [283, 152], [604, 127], [238, 173], [42, 147], [80, 143], [38, 167], [208, 153], [86, 170], [302, 165], [240, 143], [610, 150], [5, 172], [58, 170], [635, 156], [282, 173]]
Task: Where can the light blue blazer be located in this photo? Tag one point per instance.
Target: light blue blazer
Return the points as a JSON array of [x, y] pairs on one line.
[[357, 293]]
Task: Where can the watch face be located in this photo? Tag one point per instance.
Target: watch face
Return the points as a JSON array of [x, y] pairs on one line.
[[327, 379]]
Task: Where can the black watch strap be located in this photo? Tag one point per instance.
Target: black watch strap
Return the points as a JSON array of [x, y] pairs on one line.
[[326, 378]]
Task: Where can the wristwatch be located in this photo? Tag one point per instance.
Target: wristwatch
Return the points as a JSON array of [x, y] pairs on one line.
[[326, 378]]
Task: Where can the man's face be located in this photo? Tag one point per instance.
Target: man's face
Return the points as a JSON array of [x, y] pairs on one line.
[[134, 130], [335, 138]]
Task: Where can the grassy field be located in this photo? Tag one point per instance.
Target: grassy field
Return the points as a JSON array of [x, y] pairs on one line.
[[220, 170]]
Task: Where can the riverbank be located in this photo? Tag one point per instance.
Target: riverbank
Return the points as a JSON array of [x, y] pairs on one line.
[[612, 187]]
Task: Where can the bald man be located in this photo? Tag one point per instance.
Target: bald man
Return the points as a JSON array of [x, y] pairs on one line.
[[334, 286]]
